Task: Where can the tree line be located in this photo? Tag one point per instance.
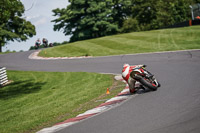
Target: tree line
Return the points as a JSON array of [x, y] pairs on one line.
[[86, 19]]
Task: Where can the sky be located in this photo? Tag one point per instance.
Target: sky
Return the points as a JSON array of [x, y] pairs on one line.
[[39, 13]]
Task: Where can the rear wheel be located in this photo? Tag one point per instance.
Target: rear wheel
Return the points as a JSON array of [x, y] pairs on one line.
[[147, 83]]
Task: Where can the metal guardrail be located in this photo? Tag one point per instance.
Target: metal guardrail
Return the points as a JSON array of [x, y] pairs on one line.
[[3, 76]]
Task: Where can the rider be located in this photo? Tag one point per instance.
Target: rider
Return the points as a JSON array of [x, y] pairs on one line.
[[45, 42], [128, 77], [38, 42], [127, 69]]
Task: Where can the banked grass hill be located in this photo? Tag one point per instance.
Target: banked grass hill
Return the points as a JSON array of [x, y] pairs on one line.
[[131, 43]]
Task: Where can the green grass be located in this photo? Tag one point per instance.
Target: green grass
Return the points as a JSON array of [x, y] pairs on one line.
[[39, 99], [130, 43], [7, 52]]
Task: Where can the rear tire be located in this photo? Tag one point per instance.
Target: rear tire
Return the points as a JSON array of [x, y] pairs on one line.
[[147, 84]]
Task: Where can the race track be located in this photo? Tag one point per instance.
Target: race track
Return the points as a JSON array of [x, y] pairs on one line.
[[174, 108]]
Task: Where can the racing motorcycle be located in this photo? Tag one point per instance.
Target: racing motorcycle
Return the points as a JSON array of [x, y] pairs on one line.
[[45, 42], [144, 77], [37, 45]]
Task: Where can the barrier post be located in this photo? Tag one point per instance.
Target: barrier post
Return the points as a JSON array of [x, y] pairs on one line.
[[3, 76], [190, 22]]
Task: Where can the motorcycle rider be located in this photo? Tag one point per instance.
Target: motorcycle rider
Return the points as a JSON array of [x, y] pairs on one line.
[[37, 43], [45, 42], [126, 72], [128, 77]]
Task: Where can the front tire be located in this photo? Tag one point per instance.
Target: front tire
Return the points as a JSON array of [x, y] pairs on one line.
[[147, 84]]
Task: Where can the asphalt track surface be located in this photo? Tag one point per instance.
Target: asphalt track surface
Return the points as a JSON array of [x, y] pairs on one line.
[[174, 108]]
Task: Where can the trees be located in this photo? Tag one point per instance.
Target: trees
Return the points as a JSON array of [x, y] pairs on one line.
[[85, 19], [130, 25], [12, 25], [155, 14], [121, 10]]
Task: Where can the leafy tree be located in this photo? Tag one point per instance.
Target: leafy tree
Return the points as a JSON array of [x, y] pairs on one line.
[[196, 1], [85, 19], [154, 14], [12, 25], [180, 10], [130, 25], [121, 10], [144, 11]]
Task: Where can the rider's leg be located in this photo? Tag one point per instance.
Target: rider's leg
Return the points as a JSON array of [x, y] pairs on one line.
[[131, 83]]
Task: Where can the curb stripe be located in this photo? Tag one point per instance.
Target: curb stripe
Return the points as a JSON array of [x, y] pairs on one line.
[[34, 55], [78, 118], [94, 111], [56, 128], [112, 102], [118, 98], [124, 93]]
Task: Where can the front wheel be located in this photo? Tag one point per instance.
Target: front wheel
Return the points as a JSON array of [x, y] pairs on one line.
[[148, 84]]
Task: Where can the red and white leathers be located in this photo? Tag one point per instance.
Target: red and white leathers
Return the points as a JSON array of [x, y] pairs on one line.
[[126, 72], [127, 69]]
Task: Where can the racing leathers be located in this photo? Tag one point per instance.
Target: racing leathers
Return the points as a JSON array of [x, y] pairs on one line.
[[126, 72]]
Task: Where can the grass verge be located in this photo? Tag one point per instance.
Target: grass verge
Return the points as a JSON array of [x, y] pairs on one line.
[[130, 43], [40, 99]]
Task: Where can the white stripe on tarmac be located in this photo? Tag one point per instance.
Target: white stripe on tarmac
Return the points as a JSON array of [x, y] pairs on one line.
[[56, 128], [125, 90], [118, 98], [94, 111]]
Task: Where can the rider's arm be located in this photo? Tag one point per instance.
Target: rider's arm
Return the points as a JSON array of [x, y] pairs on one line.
[[137, 66]]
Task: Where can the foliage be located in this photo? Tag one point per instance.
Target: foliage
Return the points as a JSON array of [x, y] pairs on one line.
[[196, 1], [155, 14], [33, 47], [85, 19], [121, 9], [12, 25], [130, 25], [54, 44]]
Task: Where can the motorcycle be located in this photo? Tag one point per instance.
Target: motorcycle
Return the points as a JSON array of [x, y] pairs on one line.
[[50, 44], [144, 77], [45, 44], [37, 45]]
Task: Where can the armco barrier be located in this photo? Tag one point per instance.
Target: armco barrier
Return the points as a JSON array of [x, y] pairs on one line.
[[3, 76], [185, 24]]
